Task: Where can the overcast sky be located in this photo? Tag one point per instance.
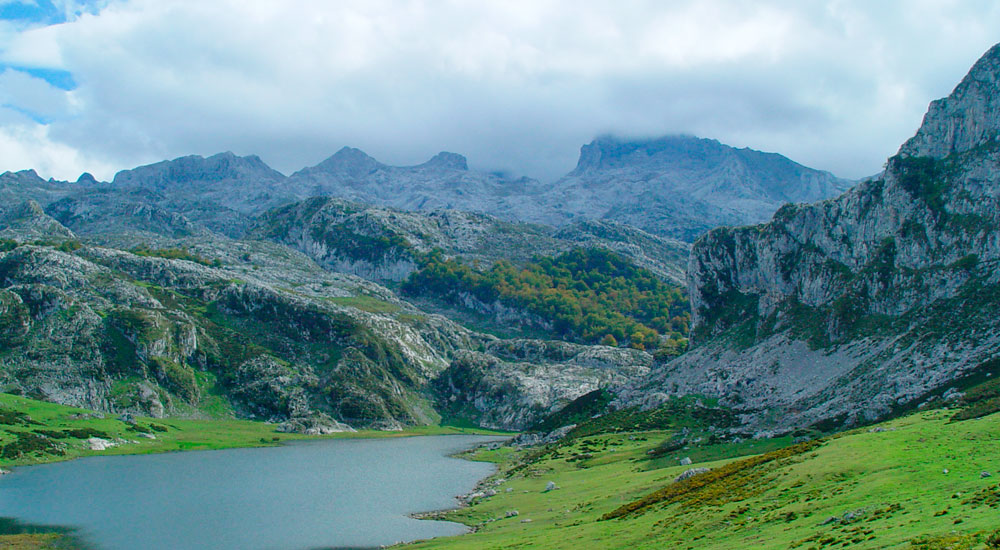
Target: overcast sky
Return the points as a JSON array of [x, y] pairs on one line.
[[105, 85]]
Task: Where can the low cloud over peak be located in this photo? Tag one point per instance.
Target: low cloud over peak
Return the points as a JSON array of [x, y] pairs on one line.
[[513, 86]]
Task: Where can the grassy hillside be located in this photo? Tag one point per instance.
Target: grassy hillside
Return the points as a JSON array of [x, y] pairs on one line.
[[913, 482]]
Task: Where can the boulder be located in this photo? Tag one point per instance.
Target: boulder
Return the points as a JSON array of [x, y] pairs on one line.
[[98, 444], [690, 473]]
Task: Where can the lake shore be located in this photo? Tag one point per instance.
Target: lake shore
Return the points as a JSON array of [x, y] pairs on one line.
[[38, 432], [326, 467]]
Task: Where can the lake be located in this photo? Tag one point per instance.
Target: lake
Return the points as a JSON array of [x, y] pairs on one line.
[[305, 495]]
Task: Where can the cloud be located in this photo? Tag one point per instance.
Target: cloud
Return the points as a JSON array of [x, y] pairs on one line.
[[26, 145], [513, 85]]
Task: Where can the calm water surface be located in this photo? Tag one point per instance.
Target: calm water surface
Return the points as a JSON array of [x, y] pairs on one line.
[[306, 495]]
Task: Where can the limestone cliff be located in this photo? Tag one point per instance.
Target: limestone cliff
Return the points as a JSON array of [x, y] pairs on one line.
[[854, 307]]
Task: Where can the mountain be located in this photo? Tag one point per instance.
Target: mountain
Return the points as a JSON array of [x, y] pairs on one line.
[[385, 244], [244, 184], [675, 186], [219, 192], [443, 182], [681, 186], [856, 307]]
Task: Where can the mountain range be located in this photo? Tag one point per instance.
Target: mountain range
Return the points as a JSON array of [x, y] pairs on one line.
[[218, 286], [675, 186]]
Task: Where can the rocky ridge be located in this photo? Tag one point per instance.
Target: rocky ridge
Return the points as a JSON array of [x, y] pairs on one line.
[[855, 307], [255, 330], [385, 244]]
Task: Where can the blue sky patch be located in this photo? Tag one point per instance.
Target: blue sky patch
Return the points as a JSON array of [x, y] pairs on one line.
[[41, 11], [44, 12], [30, 114], [56, 77]]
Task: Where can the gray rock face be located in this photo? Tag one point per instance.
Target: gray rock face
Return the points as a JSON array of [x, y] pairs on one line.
[[108, 212], [681, 186], [967, 118], [850, 308], [219, 192], [244, 184], [515, 383], [27, 221], [444, 182]]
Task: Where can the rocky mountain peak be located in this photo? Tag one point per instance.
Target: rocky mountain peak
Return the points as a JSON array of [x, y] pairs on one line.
[[86, 178], [609, 152], [446, 160], [22, 177], [969, 117], [347, 161], [197, 169]]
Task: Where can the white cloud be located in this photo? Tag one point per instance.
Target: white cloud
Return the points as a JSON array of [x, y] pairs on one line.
[[34, 95], [517, 85], [25, 145]]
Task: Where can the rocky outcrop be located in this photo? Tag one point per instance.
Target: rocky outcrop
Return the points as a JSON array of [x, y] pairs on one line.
[[964, 120], [108, 212], [515, 383], [219, 192], [27, 221], [854, 307]]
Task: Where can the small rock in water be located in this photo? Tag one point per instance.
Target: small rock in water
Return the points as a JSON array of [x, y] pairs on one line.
[[550, 486], [984, 474], [686, 461], [4, 472]]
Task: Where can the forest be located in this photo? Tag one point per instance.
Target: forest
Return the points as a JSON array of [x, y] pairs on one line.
[[588, 295]]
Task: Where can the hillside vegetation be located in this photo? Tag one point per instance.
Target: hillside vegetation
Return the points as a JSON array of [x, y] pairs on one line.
[[584, 295]]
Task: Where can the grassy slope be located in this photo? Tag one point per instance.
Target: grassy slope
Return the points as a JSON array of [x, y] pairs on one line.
[[892, 480]]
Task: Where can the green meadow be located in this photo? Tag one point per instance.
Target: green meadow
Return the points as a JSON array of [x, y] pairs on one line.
[[913, 482]]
